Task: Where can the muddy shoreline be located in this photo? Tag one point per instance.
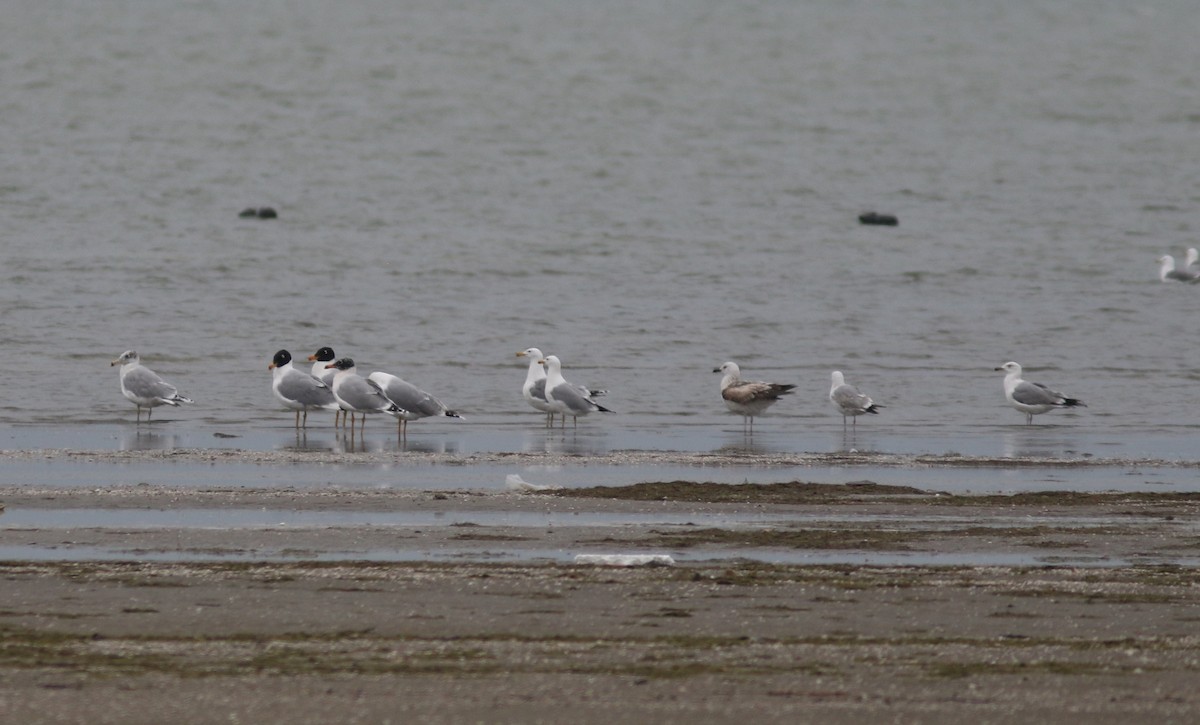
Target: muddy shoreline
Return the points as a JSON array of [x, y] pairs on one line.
[[280, 636]]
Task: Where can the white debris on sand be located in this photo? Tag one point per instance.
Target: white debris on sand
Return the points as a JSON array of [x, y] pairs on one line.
[[625, 559], [514, 482]]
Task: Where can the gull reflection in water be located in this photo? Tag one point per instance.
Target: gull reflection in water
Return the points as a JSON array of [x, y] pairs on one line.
[[1035, 442], [144, 440]]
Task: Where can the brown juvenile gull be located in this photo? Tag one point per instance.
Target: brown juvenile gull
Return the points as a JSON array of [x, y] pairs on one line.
[[1032, 398], [746, 398], [848, 400], [144, 387]]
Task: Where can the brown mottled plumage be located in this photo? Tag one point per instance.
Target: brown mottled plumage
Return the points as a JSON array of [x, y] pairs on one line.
[[748, 398]]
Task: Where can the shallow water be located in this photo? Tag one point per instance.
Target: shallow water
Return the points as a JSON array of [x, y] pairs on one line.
[[122, 525], [644, 190]]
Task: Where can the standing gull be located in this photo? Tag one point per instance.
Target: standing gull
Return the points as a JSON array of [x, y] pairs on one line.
[[320, 359], [565, 398], [746, 398], [144, 387], [1032, 398], [1168, 272], [355, 394], [848, 400], [534, 389], [298, 390], [413, 402]]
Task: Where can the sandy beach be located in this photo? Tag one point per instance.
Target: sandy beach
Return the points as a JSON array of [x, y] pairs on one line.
[[249, 624]]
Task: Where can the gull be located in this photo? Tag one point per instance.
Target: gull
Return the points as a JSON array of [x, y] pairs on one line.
[[746, 398], [298, 390], [413, 402], [534, 390], [565, 398], [848, 400], [1031, 398], [320, 359], [355, 394], [144, 387], [1168, 272]]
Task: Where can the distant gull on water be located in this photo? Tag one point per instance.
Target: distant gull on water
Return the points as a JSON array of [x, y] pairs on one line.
[[1168, 272], [1032, 398], [748, 399]]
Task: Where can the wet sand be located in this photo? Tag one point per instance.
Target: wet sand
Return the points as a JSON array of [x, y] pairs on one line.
[[715, 637]]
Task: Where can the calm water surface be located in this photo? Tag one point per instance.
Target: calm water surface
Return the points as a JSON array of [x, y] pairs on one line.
[[646, 190]]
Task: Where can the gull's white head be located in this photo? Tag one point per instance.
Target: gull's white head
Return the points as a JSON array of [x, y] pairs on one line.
[[551, 362], [1193, 256], [1010, 367], [729, 368], [129, 356], [532, 352], [837, 378]]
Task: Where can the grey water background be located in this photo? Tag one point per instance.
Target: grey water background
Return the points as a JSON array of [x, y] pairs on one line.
[[645, 189]]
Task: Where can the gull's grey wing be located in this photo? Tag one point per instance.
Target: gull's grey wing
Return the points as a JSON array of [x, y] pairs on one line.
[[363, 394], [1027, 393], [145, 383], [848, 398], [411, 398], [538, 389], [305, 389], [569, 396]]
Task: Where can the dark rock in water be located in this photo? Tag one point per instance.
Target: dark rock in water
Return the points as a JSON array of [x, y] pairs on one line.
[[883, 220], [264, 213]]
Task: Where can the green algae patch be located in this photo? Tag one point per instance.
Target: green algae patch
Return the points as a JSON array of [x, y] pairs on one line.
[[793, 492], [857, 539]]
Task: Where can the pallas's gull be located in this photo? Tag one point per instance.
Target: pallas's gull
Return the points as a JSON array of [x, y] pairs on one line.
[[321, 371], [355, 394], [297, 389]]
